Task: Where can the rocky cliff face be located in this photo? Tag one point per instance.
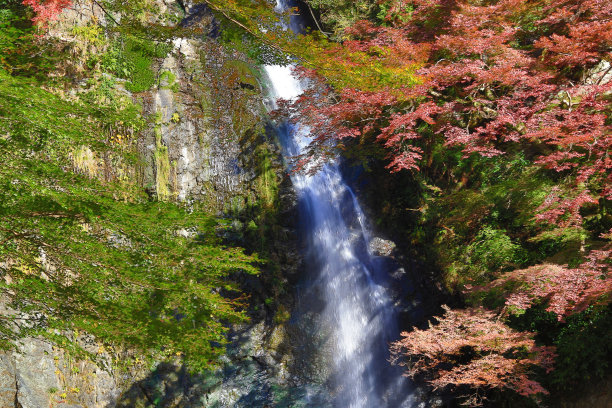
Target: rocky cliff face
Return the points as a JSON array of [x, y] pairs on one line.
[[207, 117], [40, 375], [205, 144]]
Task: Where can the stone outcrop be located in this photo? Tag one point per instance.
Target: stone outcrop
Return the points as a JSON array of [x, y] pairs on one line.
[[39, 375], [381, 247], [207, 116]]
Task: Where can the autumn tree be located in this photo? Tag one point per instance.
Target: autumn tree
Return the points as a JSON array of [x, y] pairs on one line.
[[46, 10], [473, 349], [481, 77], [564, 290]]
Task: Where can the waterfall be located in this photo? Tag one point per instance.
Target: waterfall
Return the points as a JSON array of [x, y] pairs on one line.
[[357, 306]]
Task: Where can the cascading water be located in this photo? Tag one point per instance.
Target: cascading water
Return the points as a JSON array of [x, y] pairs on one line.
[[358, 309]]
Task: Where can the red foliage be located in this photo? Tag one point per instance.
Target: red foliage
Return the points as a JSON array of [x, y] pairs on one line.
[[492, 77], [46, 10], [492, 74], [567, 290], [473, 348], [556, 205]]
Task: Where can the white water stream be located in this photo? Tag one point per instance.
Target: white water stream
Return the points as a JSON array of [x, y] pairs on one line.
[[357, 306]]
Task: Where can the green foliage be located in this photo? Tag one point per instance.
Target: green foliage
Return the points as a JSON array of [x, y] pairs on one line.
[[102, 90], [494, 298], [91, 33], [99, 257], [9, 33], [142, 77], [583, 344], [372, 69], [252, 28], [338, 15], [492, 250], [21, 51], [267, 180], [537, 319], [584, 348], [484, 222], [131, 58], [385, 14], [114, 62], [260, 52]]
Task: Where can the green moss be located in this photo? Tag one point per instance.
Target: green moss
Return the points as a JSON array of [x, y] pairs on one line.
[[167, 80], [206, 105], [241, 74], [235, 205], [131, 58], [202, 139], [84, 161], [158, 119], [208, 200], [492, 249], [162, 173], [282, 315], [162, 163], [267, 180]]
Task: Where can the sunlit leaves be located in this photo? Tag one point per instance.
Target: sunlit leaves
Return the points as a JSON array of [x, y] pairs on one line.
[[46, 10], [485, 82], [564, 290], [473, 348], [81, 248]]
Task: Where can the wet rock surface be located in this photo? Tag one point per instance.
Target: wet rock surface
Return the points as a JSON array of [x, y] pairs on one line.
[[211, 124], [202, 124]]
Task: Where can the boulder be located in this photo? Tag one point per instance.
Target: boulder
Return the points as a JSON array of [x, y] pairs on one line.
[[381, 247]]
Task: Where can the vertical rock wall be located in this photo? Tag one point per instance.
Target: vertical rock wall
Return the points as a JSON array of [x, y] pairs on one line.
[[205, 143], [38, 375], [206, 109]]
